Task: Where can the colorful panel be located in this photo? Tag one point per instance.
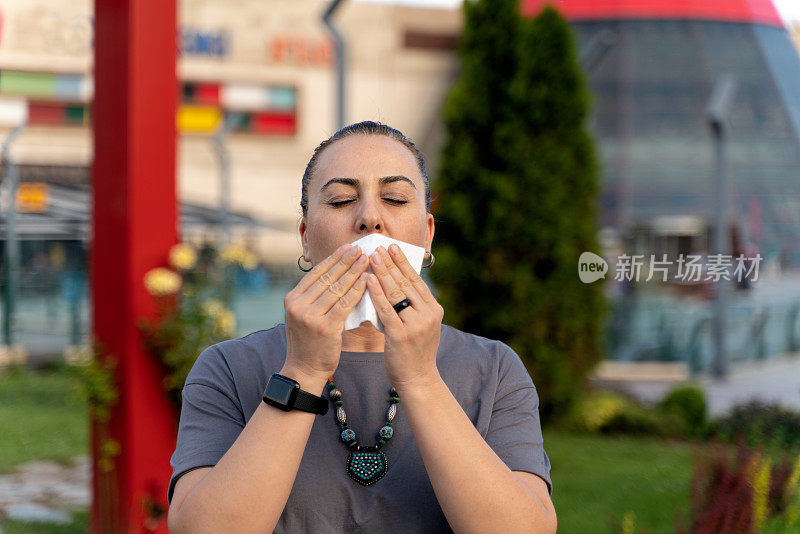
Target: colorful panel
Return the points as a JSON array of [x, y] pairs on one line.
[[274, 123], [45, 113], [28, 83], [199, 119], [206, 94], [69, 88], [282, 98], [56, 100], [263, 109]]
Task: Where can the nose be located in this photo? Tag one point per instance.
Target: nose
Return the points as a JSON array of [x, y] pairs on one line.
[[369, 218]]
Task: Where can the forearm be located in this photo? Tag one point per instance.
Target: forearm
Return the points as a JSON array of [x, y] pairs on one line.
[[248, 488], [475, 488]]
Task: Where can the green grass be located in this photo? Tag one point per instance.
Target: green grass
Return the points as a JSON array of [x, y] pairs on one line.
[[598, 479], [40, 418], [79, 525]]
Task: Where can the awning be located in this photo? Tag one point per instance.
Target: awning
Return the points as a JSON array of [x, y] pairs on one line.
[[70, 208]]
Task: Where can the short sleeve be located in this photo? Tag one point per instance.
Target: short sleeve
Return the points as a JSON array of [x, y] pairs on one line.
[[515, 431], [211, 416]]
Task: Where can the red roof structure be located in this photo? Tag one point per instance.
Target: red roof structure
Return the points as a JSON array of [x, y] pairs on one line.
[[753, 11]]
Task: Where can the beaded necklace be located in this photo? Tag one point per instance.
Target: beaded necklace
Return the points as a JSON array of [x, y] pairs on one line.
[[366, 465]]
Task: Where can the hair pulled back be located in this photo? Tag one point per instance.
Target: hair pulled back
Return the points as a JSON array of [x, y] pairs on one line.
[[364, 128]]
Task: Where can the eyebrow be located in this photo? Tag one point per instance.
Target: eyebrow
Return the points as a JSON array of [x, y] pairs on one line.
[[354, 183]]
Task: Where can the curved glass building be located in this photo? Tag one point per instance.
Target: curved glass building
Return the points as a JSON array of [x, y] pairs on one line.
[[653, 66]]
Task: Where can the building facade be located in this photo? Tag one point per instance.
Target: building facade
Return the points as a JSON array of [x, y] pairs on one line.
[[267, 67]]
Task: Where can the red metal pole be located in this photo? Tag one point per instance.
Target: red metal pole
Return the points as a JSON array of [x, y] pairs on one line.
[[134, 225]]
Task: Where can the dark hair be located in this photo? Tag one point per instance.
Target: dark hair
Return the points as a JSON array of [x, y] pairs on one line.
[[367, 128]]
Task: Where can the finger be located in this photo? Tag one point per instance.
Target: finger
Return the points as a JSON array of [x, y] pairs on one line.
[[340, 287], [409, 275], [394, 293], [331, 276], [413, 276], [392, 321], [343, 306], [313, 275]]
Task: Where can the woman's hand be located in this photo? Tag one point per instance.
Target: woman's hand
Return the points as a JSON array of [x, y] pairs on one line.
[[317, 308], [412, 336]]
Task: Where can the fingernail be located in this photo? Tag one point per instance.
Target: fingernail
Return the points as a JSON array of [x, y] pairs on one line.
[[354, 251], [377, 258], [394, 249], [344, 247], [362, 260]]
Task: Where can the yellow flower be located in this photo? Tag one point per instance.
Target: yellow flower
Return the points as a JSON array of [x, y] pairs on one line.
[[793, 493], [629, 522], [182, 257], [226, 322], [601, 409], [239, 254], [250, 261], [760, 475], [162, 281], [212, 307]]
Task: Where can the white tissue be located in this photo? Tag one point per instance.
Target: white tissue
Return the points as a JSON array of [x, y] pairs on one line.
[[365, 310]]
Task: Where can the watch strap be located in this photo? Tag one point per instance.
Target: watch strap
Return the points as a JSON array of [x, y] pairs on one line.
[[311, 403]]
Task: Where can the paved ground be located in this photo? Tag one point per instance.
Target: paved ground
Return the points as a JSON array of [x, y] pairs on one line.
[[46, 491], [776, 380]]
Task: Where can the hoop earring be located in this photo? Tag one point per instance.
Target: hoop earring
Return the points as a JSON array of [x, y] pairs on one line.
[[301, 267], [433, 259]]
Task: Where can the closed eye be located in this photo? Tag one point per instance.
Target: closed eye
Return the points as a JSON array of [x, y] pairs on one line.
[[391, 200]]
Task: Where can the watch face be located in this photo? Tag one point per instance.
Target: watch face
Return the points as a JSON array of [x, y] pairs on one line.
[[282, 390]]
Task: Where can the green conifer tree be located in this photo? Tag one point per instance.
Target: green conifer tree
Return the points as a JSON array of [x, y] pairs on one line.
[[515, 198]]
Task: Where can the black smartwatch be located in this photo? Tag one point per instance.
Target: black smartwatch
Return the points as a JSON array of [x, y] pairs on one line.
[[285, 393]]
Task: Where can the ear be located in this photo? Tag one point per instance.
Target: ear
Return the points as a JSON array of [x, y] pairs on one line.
[[303, 237], [430, 231]]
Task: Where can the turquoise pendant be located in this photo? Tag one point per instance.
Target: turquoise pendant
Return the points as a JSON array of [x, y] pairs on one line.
[[366, 465]]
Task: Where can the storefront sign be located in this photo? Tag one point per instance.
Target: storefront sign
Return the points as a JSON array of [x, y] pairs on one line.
[[301, 51], [195, 42], [32, 197]]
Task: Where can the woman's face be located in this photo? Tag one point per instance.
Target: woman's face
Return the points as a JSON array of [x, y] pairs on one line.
[[364, 184]]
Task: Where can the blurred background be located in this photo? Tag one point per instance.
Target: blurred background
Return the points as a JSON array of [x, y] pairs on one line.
[[683, 103]]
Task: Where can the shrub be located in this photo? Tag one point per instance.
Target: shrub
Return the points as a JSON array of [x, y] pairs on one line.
[[689, 403], [759, 423], [608, 412]]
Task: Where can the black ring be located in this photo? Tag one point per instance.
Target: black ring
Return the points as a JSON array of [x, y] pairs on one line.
[[402, 305]]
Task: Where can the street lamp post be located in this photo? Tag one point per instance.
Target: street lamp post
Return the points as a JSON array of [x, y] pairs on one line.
[[230, 121], [341, 62], [14, 113], [717, 114]]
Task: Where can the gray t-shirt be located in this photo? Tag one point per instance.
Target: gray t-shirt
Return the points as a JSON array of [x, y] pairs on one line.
[[487, 377]]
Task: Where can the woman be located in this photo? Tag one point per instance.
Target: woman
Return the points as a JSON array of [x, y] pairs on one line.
[[463, 450]]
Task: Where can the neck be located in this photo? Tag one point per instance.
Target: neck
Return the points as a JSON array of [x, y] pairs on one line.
[[365, 338]]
